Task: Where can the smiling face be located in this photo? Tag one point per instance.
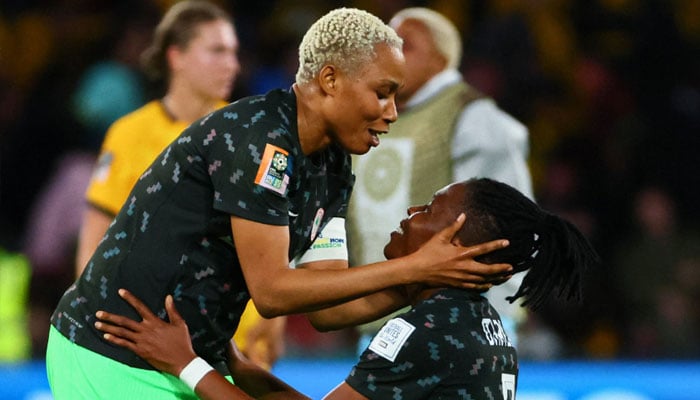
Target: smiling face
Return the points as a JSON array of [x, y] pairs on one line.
[[364, 101], [425, 221]]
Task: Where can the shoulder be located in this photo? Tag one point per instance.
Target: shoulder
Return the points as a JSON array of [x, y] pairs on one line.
[[485, 111], [132, 125], [147, 112], [276, 104]]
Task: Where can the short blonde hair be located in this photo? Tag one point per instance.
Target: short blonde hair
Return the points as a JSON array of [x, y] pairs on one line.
[[345, 37], [446, 37]]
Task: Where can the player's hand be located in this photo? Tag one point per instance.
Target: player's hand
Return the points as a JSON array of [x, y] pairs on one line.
[[165, 345], [443, 262]]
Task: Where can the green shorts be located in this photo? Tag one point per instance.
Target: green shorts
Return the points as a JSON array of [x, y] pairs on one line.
[[77, 373]]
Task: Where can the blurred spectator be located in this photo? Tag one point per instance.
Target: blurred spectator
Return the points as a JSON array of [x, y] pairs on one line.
[[14, 283], [109, 88], [655, 275], [447, 131]]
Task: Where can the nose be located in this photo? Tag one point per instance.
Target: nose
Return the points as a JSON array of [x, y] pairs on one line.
[[234, 65], [414, 209], [391, 113]]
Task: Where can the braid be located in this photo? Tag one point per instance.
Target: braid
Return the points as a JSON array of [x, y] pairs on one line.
[[554, 252]]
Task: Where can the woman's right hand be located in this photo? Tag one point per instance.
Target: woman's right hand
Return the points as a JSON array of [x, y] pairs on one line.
[[165, 345], [442, 262]]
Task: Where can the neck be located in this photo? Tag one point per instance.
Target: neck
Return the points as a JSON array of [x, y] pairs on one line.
[[187, 107], [312, 132], [425, 294]]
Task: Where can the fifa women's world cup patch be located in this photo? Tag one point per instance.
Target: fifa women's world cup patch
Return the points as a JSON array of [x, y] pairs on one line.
[[275, 169]]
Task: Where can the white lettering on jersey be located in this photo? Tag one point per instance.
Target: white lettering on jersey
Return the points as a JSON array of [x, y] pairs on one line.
[[494, 332]]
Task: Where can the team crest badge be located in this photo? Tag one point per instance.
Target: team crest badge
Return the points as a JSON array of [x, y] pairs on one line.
[[273, 173]]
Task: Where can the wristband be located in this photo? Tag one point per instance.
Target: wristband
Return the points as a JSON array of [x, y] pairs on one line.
[[194, 372]]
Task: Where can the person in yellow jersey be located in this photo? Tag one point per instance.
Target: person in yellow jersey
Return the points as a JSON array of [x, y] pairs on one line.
[[194, 52]]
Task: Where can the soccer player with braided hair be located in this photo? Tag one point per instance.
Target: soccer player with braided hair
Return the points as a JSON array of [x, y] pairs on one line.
[[450, 345]]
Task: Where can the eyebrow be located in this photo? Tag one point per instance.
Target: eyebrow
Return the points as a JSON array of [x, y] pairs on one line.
[[392, 85]]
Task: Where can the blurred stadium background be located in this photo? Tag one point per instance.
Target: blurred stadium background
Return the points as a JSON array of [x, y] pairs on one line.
[[610, 90]]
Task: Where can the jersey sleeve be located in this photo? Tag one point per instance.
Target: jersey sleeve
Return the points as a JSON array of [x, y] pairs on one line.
[[401, 361], [250, 166], [113, 176]]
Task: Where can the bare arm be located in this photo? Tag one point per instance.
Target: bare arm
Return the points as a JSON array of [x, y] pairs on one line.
[[344, 392], [278, 290], [358, 311], [92, 229], [168, 348]]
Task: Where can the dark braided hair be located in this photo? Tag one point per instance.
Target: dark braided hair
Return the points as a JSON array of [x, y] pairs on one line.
[[553, 250]]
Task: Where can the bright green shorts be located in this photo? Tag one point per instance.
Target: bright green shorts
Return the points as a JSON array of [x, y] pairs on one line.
[[76, 373]]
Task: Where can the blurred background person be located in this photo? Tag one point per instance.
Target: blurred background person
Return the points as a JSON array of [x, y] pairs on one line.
[[447, 131], [657, 275]]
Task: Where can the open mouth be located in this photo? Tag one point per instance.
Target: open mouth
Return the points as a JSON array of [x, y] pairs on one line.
[[375, 136]]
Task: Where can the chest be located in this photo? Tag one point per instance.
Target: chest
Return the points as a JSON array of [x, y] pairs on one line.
[[317, 193]]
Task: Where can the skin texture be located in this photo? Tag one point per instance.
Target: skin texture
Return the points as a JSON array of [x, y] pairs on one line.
[[156, 341], [423, 60], [423, 221], [350, 108]]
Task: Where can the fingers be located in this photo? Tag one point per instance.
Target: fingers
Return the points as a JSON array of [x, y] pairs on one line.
[[118, 320], [141, 308], [119, 341], [484, 248], [448, 233], [115, 330], [173, 314]]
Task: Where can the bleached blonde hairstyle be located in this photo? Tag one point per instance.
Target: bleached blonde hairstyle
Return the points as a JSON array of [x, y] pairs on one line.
[[345, 37], [446, 37]]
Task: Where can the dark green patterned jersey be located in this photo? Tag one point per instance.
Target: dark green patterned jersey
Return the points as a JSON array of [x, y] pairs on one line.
[[173, 234], [449, 346]]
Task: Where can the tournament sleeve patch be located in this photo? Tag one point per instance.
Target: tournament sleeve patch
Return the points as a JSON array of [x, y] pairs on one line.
[[389, 340], [273, 173]]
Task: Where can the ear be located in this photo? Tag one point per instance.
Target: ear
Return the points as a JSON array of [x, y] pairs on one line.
[[328, 79], [173, 55]]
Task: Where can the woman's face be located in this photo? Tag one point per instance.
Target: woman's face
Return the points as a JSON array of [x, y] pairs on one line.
[[423, 60], [424, 222], [364, 104], [208, 65]]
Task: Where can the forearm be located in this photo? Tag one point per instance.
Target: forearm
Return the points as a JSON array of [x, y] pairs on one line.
[[294, 291], [360, 311], [256, 381]]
